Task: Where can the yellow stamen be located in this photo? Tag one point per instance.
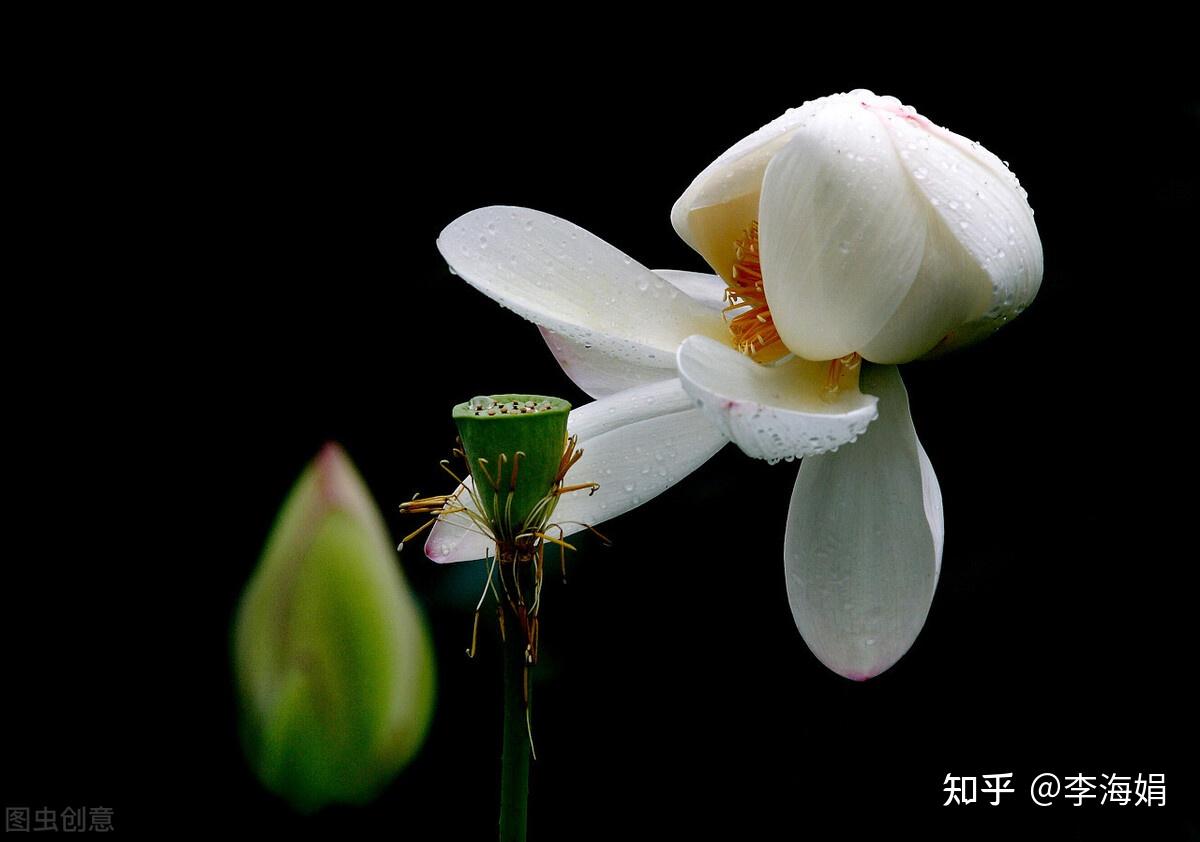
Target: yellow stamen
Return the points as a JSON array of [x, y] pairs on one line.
[[833, 381], [752, 327]]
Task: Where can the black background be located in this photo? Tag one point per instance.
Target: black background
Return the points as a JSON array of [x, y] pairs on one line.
[[231, 260]]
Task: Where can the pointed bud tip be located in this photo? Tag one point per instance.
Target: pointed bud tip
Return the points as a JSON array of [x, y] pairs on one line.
[[338, 482]]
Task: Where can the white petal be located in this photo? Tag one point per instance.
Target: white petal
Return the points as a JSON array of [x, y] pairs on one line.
[[567, 280], [597, 373], [980, 202], [841, 233], [454, 537], [706, 288], [771, 412], [950, 290], [862, 549], [933, 506], [631, 406], [707, 214], [636, 444]]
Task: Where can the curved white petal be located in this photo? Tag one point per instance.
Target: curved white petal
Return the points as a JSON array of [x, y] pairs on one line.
[[708, 289], [597, 373], [600, 375], [569, 281], [771, 412], [950, 290], [933, 507], [455, 537], [841, 233], [862, 550], [636, 444], [981, 204], [723, 198]]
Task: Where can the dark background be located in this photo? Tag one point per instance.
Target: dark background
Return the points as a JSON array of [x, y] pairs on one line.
[[231, 261]]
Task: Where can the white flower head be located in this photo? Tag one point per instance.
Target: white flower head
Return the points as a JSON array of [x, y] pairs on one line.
[[849, 229], [879, 232]]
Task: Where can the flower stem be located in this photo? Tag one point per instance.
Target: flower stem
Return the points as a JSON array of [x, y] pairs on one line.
[[514, 762]]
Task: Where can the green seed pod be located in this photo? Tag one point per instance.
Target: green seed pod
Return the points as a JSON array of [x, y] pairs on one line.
[[333, 661], [522, 438]]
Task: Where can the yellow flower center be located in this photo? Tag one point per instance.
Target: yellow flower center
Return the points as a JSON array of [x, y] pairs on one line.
[[753, 329]]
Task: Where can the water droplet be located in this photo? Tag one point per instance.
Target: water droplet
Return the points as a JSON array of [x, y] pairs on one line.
[[481, 402]]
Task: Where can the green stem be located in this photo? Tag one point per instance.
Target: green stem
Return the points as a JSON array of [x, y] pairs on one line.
[[514, 762]]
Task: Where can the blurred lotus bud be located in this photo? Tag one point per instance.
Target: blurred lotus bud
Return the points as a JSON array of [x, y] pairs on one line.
[[333, 661]]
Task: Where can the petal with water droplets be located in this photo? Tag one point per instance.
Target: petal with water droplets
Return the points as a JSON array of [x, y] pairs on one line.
[[863, 545], [984, 208], [771, 412], [841, 233], [571, 282], [597, 373]]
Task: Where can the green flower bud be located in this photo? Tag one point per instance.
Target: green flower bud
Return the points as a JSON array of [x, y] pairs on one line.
[[332, 657], [520, 439]]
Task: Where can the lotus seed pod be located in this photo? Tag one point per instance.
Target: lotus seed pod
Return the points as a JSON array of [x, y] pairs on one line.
[[514, 445]]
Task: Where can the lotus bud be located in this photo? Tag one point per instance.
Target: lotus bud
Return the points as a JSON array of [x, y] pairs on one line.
[[333, 661]]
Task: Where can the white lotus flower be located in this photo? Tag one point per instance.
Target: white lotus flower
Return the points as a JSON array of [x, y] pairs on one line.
[[880, 233], [880, 237]]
